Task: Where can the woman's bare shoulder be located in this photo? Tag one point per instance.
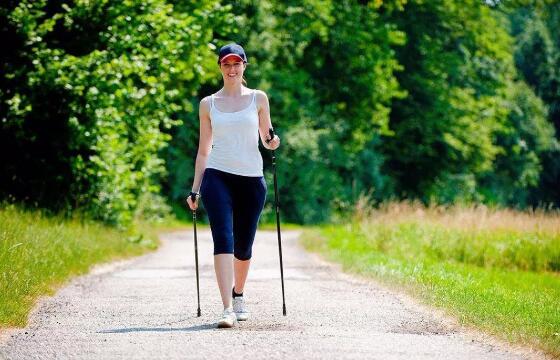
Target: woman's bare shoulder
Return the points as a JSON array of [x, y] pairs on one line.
[[260, 93], [261, 97], [205, 104], [205, 100]]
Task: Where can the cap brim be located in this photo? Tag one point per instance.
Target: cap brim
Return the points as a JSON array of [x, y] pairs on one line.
[[231, 55]]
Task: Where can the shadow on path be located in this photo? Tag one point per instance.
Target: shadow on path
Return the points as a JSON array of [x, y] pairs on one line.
[[157, 329]]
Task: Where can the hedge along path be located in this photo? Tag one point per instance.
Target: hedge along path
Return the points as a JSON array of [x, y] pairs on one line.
[[146, 308]]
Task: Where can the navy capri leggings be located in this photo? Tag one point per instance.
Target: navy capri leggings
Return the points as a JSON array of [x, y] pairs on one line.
[[234, 204]]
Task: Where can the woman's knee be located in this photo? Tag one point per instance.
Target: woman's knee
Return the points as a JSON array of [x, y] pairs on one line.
[[242, 254], [222, 250]]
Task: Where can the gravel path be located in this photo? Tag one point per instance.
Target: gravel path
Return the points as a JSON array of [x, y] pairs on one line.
[[145, 308]]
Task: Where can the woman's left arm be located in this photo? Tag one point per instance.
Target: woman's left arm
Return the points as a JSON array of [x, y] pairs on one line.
[[264, 122]]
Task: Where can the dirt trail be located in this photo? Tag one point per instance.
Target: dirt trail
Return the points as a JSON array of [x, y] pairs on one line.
[[145, 308]]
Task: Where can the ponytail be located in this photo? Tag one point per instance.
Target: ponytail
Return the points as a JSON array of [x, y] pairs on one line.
[[243, 80]]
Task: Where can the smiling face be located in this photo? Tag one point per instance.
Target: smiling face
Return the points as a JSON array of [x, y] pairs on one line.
[[232, 69]]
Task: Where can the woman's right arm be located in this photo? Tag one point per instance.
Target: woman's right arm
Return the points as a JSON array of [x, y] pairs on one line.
[[204, 147]]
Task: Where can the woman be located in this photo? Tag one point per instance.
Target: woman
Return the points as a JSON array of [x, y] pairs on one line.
[[229, 175]]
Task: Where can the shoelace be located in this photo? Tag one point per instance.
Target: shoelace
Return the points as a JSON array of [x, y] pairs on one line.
[[239, 305]]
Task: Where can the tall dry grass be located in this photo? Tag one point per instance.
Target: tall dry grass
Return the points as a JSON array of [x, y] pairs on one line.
[[472, 217], [503, 238]]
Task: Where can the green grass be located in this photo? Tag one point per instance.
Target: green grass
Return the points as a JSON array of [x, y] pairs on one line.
[[39, 253], [501, 277], [283, 226]]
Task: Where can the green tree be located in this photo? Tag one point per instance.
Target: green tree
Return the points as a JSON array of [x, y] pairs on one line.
[[456, 73], [89, 93], [535, 26], [518, 167]]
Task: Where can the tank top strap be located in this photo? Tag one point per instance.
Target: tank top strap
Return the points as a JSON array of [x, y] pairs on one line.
[[254, 101], [211, 101]]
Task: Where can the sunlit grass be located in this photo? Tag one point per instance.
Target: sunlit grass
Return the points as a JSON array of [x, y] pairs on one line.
[[495, 269], [39, 253], [283, 226]]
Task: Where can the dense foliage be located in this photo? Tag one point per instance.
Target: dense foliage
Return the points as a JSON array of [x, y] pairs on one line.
[[438, 100], [89, 90], [535, 27]]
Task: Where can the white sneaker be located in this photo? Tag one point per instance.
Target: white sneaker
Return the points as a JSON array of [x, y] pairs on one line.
[[239, 308], [228, 319]]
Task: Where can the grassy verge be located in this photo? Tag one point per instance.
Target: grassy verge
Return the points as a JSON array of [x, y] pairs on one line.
[[40, 253], [496, 270], [283, 226]]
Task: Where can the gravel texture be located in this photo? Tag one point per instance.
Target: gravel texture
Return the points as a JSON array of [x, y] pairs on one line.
[[145, 308]]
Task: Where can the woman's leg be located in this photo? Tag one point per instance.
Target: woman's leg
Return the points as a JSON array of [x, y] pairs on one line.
[[224, 275], [248, 202], [216, 196], [240, 269]]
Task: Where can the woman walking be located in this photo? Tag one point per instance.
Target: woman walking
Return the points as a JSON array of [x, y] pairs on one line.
[[229, 175]]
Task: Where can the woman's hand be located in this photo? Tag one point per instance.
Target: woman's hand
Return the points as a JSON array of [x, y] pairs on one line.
[[274, 143], [192, 204]]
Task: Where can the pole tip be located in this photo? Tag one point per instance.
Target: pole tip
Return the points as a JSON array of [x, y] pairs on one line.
[[198, 313], [284, 310]]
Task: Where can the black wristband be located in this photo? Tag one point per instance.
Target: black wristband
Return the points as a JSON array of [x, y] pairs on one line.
[[271, 133], [194, 195]]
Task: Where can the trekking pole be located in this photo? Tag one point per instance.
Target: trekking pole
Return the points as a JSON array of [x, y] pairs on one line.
[[193, 198], [276, 205]]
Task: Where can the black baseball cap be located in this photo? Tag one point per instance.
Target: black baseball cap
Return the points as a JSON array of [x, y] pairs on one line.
[[232, 49]]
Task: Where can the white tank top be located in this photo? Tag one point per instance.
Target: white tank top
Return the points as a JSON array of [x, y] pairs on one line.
[[235, 140]]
